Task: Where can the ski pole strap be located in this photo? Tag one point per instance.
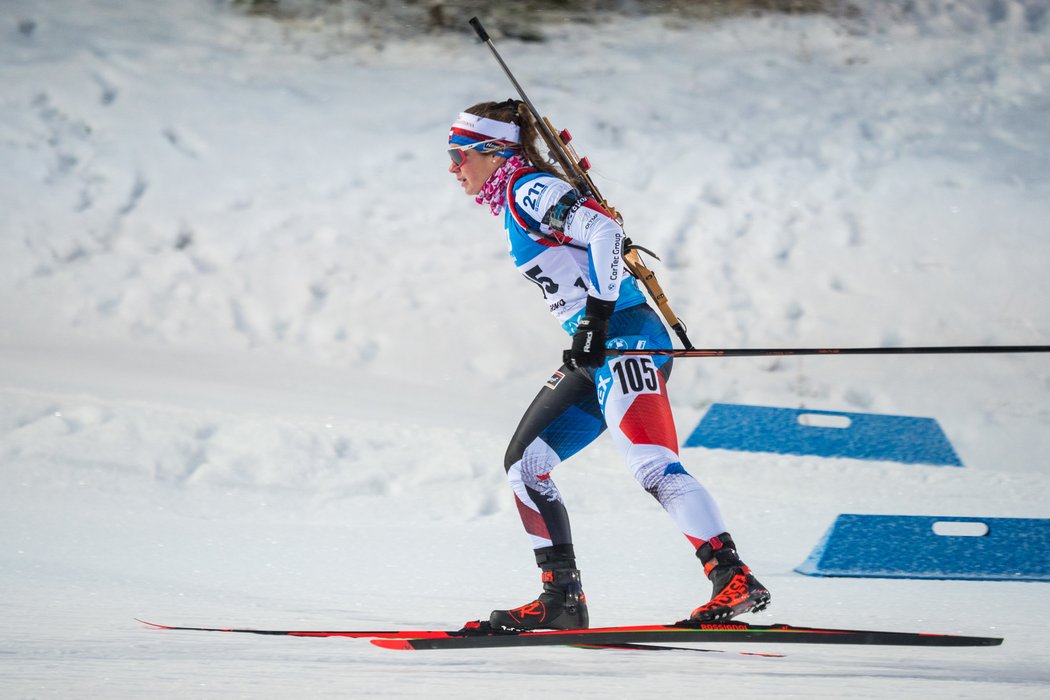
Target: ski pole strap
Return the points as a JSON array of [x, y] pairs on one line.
[[762, 352]]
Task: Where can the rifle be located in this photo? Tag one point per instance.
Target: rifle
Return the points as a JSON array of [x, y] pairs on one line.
[[576, 170]]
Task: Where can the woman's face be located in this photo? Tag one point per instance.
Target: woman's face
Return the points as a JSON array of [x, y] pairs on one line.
[[475, 170]]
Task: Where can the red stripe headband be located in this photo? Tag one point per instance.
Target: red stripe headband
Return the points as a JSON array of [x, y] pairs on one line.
[[478, 128]]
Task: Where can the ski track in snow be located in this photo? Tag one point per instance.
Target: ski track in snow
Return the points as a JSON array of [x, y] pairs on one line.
[[259, 358]]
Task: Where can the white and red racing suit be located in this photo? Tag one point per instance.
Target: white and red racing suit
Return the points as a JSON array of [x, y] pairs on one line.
[[570, 247]]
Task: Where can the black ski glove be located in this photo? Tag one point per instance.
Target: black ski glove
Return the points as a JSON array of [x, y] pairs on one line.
[[588, 343]]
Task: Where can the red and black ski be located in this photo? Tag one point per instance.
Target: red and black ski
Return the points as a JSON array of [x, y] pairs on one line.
[[422, 634], [620, 637]]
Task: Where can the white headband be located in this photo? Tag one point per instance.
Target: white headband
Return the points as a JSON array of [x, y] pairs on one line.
[[490, 128]]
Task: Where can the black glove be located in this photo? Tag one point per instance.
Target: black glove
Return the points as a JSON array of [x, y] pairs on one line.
[[588, 343]]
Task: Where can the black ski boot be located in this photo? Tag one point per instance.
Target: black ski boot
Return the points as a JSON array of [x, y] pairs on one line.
[[736, 591], [561, 606]]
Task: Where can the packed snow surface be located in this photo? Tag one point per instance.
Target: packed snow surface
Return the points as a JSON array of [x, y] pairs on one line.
[[260, 357]]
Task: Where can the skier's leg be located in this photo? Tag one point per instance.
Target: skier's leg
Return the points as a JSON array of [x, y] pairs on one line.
[[632, 393], [562, 419]]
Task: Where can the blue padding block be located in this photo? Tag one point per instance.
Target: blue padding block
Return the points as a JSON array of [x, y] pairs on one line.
[[824, 433], [904, 546]]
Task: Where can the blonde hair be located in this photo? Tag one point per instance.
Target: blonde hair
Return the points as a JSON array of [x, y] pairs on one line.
[[517, 112]]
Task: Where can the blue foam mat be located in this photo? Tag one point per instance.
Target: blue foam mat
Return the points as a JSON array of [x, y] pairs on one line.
[[867, 436], [902, 546]]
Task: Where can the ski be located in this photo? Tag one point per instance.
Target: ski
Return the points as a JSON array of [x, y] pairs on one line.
[[627, 637], [717, 632], [422, 634]]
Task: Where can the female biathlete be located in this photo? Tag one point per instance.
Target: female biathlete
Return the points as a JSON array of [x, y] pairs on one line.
[[569, 246]]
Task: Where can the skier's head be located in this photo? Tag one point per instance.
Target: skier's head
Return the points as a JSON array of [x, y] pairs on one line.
[[475, 130], [479, 144], [485, 135]]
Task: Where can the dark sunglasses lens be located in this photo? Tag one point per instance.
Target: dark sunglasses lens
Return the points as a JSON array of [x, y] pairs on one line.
[[456, 155]]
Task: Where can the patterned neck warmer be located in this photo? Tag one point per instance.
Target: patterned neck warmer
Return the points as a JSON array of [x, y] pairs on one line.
[[494, 191]]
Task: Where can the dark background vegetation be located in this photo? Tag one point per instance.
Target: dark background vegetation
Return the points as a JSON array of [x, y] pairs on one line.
[[523, 19]]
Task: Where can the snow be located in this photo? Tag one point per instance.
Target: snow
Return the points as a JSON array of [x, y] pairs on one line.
[[260, 358]]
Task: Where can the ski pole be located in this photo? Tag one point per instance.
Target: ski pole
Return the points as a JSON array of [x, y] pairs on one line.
[[776, 352]]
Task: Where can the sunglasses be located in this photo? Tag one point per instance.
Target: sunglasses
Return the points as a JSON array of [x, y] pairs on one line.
[[457, 153]]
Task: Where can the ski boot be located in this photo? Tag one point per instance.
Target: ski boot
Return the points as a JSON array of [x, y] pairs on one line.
[[736, 591], [561, 606]]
